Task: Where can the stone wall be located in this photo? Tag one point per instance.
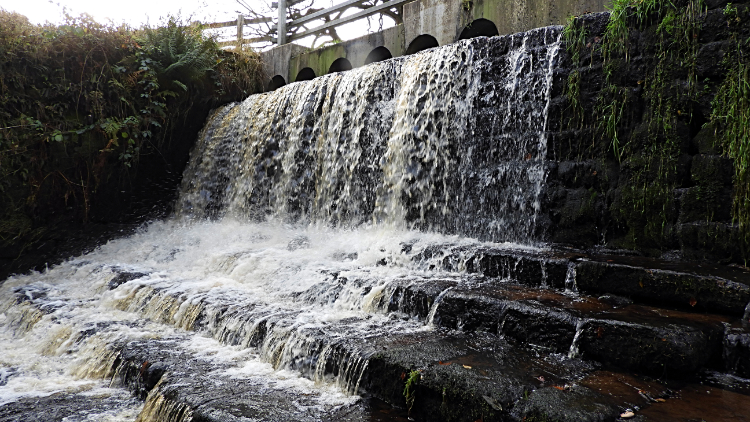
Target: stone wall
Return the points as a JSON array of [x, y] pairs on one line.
[[591, 188]]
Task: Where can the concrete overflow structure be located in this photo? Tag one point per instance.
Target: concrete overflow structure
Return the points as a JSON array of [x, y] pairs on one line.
[[426, 24]]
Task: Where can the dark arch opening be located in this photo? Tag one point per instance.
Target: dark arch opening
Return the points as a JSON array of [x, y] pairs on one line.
[[422, 42], [276, 83], [305, 74], [340, 65], [479, 28], [378, 54]]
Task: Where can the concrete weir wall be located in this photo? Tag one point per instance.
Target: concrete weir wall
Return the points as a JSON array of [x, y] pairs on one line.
[[425, 22]]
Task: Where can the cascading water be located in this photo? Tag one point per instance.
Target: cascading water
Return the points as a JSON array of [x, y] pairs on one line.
[[297, 211], [419, 141]]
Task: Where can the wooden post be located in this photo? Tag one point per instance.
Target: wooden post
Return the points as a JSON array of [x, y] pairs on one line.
[[281, 26], [240, 30]]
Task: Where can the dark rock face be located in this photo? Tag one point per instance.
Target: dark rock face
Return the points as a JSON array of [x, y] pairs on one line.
[[124, 277], [589, 188], [677, 289]]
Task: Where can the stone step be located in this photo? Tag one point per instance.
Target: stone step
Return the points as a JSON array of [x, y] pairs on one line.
[[611, 330], [179, 384], [501, 351], [681, 285], [434, 375]]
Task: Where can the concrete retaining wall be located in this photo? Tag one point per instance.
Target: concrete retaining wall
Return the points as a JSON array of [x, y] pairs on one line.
[[444, 20]]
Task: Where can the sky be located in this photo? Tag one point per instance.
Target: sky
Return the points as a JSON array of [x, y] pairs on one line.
[[133, 12], [140, 12]]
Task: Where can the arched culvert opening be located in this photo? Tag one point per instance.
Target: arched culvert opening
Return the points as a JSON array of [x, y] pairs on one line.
[[378, 54], [276, 83], [340, 65], [422, 42], [305, 74], [479, 28]]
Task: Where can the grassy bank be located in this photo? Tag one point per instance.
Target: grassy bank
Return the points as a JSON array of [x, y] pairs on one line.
[[88, 110]]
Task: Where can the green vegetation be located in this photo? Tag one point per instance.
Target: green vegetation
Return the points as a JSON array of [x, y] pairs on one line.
[[574, 36], [410, 388], [647, 202], [731, 117], [648, 154], [83, 103]]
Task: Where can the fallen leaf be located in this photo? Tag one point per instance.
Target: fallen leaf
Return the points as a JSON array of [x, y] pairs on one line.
[[143, 367], [659, 400], [599, 332], [627, 415], [466, 366], [444, 363], [693, 302], [640, 283], [559, 388], [403, 375]]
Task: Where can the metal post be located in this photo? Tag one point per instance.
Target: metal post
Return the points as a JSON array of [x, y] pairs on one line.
[[281, 26], [240, 30]]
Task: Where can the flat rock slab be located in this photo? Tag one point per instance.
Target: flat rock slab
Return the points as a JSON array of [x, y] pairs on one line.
[[67, 407], [178, 385], [702, 293], [689, 286]]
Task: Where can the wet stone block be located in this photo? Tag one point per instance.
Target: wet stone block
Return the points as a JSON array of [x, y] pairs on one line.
[[668, 350], [539, 325], [690, 291], [737, 352], [461, 377], [469, 312], [709, 241], [413, 298], [576, 404], [710, 58], [706, 202], [123, 277]]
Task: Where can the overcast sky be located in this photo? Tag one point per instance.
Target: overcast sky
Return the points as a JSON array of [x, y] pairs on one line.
[[139, 12], [133, 12]]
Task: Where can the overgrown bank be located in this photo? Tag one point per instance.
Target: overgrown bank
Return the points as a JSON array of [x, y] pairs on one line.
[[96, 123], [652, 143]]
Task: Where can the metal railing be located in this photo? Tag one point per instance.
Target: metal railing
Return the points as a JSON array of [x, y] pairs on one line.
[[283, 25]]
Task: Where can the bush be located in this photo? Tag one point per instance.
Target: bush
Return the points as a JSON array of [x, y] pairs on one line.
[[82, 103]]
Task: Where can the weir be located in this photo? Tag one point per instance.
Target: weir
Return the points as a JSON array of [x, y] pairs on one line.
[[421, 142], [342, 244]]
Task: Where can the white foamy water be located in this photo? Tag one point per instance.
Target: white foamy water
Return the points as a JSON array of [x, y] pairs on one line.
[[317, 284]]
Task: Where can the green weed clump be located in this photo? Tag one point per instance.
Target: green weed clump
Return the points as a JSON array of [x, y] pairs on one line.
[[81, 104], [731, 118], [648, 155], [410, 388]]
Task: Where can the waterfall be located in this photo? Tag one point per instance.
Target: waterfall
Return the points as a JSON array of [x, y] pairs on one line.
[[299, 212], [452, 139]]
